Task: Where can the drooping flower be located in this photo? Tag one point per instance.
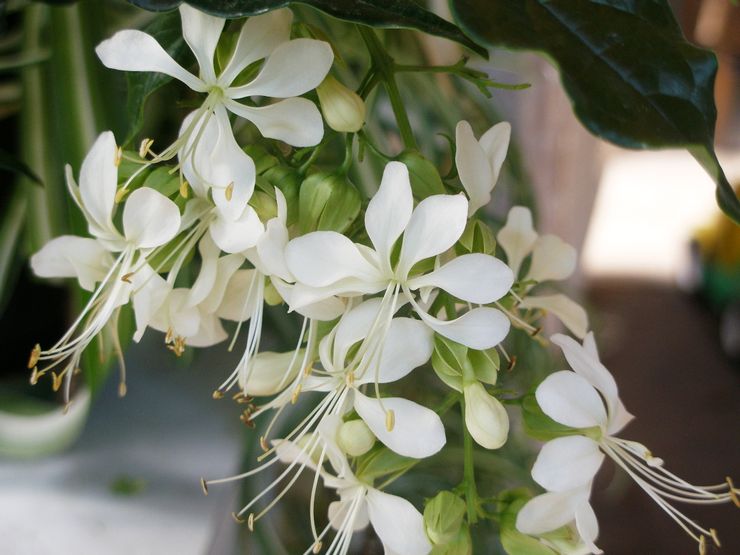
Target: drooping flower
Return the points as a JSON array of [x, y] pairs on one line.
[[115, 260], [326, 263], [479, 162], [551, 260], [587, 399]]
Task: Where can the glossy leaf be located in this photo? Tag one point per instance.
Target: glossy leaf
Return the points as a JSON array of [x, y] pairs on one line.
[[394, 14], [632, 77]]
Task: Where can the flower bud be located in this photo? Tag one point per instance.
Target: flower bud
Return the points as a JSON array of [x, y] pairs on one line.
[[425, 180], [477, 237], [485, 416], [327, 202], [355, 438], [288, 180], [443, 517], [343, 109]]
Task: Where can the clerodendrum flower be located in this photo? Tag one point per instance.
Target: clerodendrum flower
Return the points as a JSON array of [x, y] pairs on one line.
[[551, 259], [115, 260], [587, 399], [326, 263]]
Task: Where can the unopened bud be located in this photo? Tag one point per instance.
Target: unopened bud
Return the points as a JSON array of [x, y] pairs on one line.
[[343, 109], [355, 438], [477, 238], [443, 517], [327, 202], [485, 417], [424, 177]]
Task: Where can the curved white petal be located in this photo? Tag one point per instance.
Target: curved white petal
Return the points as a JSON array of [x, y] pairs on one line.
[[71, 256], [296, 121], [569, 312], [408, 345], [473, 167], [294, 68], [150, 219], [338, 514], [240, 296], [270, 373], [495, 143], [418, 431], [567, 462], [303, 296], [398, 524], [435, 225], [259, 36], [98, 184], [548, 511], [194, 157], [226, 266], [389, 210], [322, 258], [552, 259], [210, 332], [150, 293], [480, 328], [131, 50], [587, 525], [324, 310], [208, 268], [476, 278], [517, 237], [354, 326], [485, 417], [237, 236], [202, 31], [570, 400]]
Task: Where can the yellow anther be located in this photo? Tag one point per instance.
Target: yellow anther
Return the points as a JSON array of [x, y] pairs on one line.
[[390, 420], [296, 393], [144, 147], [307, 370], [204, 486], [169, 335], [34, 379], [733, 492], [715, 537], [263, 444], [250, 522], [119, 156], [317, 548], [702, 545], [237, 519], [229, 192], [218, 394], [184, 189], [127, 277], [34, 356], [56, 381], [122, 389], [350, 379]]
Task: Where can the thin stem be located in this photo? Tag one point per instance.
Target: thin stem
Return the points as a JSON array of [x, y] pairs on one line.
[[471, 493]]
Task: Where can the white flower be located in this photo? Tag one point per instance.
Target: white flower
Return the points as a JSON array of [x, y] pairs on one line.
[[326, 263], [551, 259], [479, 162], [587, 399], [150, 220]]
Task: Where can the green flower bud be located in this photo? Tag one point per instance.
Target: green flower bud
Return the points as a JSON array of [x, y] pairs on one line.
[[343, 109], [264, 205], [485, 417], [355, 438], [461, 545], [262, 159], [272, 297], [443, 517], [327, 201], [477, 237], [425, 180], [288, 180]]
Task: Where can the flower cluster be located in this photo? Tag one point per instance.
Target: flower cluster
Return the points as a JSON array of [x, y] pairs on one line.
[[228, 228]]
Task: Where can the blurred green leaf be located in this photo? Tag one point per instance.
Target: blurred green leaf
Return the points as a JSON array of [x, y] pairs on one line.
[[11, 163], [632, 77]]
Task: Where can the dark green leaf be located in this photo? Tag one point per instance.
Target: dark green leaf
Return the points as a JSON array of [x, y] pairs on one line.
[[10, 163], [166, 29], [632, 77], [405, 14]]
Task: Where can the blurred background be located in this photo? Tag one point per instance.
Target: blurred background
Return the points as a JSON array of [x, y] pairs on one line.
[[659, 275]]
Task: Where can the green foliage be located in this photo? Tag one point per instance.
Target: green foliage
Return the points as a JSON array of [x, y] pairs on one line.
[[327, 202], [451, 360], [424, 177], [632, 77]]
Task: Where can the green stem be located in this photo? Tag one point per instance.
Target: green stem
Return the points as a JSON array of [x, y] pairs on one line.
[[471, 492], [385, 68]]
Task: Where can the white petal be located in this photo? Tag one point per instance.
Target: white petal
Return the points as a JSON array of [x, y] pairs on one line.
[[517, 237], [548, 512], [485, 417], [272, 243], [71, 256], [398, 524], [98, 183], [435, 225], [338, 514], [409, 344], [237, 236], [131, 50], [201, 31], [567, 462], [196, 164], [570, 400], [569, 312], [208, 268], [480, 328], [389, 210], [354, 326], [226, 267], [303, 296], [587, 525], [210, 332], [259, 36], [322, 258], [294, 68], [418, 431], [473, 167], [270, 373], [150, 219], [150, 293], [476, 278], [552, 259], [296, 121], [324, 310], [240, 297], [584, 364], [495, 142]]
